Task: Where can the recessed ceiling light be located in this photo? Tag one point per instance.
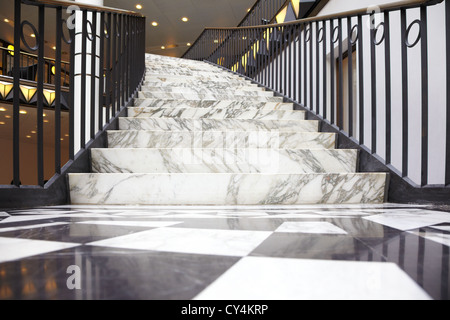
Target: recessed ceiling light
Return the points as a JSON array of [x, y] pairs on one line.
[[33, 35], [33, 132], [155, 24], [248, 10], [2, 109], [8, 117], [184, 19], [6, 20], [23, 112], [216, 41], [163, 47], [66, 135], [46, 121], [139, 6], [2, 123], [29, 137], [54, 47], [44, 115], [188, 44], [62, 139]]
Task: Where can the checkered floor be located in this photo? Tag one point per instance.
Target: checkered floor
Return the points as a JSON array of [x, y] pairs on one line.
[[386, 251]]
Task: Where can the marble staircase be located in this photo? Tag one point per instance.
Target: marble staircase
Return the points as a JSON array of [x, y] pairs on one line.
[[199, 135]]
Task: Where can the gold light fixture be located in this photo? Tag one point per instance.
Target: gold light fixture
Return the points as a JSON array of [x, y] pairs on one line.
[[2, 123], [163, 47], [185, 19], [23, 112], [11, 50], [282, 15], [296, 7], [28, 92], [49, 96], [139, 6], [155, 24], [33, 35], [188, 44], [6, 20], [5, 89], [2, 109]]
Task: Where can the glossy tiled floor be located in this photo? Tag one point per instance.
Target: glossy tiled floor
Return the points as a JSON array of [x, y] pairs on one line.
[[386, 251]]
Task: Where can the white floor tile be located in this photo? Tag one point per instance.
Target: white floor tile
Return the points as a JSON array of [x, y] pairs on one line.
[[149, 224], [185, 240], [310, 227], [13, 249], [406, 220], [254, 278], [434, 236]]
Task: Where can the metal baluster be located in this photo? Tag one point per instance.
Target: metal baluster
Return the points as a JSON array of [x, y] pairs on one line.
[[59, 25]]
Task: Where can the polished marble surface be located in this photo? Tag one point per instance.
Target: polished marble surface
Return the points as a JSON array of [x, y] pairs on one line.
[[338, 252]]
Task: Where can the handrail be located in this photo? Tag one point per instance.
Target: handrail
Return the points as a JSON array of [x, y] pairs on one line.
[[57, 3], [407, 4], [34, 55]]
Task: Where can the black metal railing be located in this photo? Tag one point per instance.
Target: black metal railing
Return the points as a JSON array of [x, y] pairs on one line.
[[105, 65], [28, 67], [377, 75]]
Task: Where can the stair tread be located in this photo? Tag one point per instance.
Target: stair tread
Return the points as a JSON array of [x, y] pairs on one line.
[[223, 160], [217, 125], [220, 139], [216, 113]]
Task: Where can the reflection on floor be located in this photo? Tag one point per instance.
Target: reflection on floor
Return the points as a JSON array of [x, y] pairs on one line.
[[385, 251]]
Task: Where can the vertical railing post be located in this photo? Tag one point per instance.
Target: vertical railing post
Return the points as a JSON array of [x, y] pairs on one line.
[[405, 121], [424, 68], [361, 80], [40, 96], [387, 61], [373, 85], [58, 91], [16, 88], [447, 143]]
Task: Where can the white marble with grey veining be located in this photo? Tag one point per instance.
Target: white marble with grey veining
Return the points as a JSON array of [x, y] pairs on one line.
[[224, 104], [206, 91], [208, 96], [217, 139], [226, 189], [215, 113], [188, 160], [176, 124], [241, 85]]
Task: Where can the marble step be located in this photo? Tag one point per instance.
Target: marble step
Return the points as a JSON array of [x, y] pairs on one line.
[[226, 189], [189, 160], [178, 79], [189, 75], [149, 86], [217, 139], [169, 124], [211, 90], [208, 96], [212, 104], [215, 113]]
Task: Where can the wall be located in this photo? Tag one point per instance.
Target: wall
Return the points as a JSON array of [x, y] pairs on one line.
[[437, 84]]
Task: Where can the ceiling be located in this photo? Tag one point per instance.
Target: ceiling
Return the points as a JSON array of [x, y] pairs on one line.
[[172, 32]]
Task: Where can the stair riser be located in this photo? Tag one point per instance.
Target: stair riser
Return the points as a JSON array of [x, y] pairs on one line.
[[207, 91], [273, 161], [193, 80], [210, 96], [226, 189], [149, 86], [217, 114], [228, 104], [213, 139], [176, 124]]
